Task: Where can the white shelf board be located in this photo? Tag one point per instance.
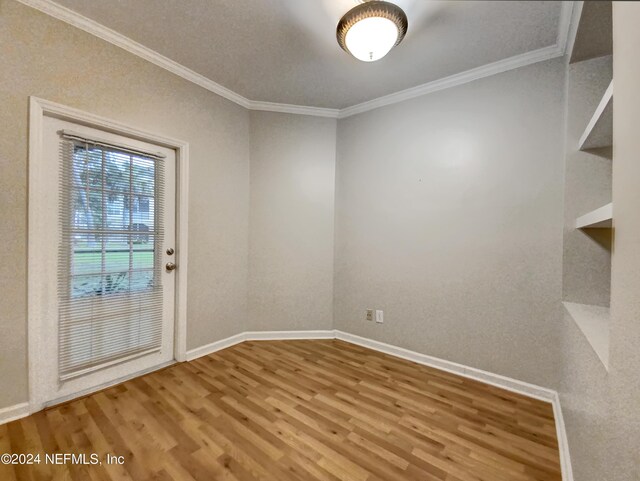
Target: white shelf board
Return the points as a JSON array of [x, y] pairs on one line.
[[593, 321], [599, 131], [600, 218]]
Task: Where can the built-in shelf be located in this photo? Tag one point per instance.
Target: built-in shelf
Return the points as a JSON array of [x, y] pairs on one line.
[[599, 131], [593, 321], [601, 218]]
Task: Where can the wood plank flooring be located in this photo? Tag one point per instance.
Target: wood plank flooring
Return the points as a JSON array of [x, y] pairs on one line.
[[321, 410]]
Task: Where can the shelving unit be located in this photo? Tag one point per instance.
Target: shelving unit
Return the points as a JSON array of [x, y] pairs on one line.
[[594, 322], [599, 131], [588, 236], [601, 218]]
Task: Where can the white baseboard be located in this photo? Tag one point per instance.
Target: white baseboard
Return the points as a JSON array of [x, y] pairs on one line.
[[497, 380], [14, 412], [282, 335], [486, 377], [563, 441], [215, 346], [257, 336], [531, 390]]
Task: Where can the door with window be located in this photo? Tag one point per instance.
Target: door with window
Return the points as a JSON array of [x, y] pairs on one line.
[[112, 235]]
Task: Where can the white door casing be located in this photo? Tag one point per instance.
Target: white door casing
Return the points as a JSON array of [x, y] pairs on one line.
[[44, 239]]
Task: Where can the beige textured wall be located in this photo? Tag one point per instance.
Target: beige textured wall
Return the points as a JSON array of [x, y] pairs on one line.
[[449, 218], [586, 274], [602, 408], [47, 58], [292, 217], [448, 211], [584, 396], [624, 369], [587, 187]]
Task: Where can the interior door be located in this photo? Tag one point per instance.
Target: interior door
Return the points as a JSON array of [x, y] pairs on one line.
[[112, 225]]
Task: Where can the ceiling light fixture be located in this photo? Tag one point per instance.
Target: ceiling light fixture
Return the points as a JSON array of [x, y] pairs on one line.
[[370, 30]]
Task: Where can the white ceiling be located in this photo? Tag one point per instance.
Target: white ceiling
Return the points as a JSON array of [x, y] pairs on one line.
[[285, 51]]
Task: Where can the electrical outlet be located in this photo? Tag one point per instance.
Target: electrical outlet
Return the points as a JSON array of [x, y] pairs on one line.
[[369, 314], [379, 316]]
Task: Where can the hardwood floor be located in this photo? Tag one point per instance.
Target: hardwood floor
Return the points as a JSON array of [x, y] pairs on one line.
[[294, 411]]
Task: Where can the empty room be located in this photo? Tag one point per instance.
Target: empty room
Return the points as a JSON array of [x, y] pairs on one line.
[[319, 240]]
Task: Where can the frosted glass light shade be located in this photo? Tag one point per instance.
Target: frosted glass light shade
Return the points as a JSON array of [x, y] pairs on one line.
[[372, 38], [370, 30]]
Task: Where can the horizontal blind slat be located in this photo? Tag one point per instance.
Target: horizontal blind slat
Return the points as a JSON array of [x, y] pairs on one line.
[[109, 289], [108, 349]]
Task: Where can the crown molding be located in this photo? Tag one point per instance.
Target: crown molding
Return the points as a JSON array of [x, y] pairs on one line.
[[566, 29], [572, 29], [119, 40], [565, 23], [105, 33], [487, 70], [293, 109]]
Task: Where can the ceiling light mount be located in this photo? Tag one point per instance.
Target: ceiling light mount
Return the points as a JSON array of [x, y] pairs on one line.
[[370, 30]]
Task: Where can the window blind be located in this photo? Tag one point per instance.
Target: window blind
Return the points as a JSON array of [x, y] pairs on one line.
[[109, 267]]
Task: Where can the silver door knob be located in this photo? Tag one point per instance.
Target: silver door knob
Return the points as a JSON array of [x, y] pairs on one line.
[[170, 266]]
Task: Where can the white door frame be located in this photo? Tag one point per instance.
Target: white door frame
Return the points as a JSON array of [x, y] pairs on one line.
[[38, 184]]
